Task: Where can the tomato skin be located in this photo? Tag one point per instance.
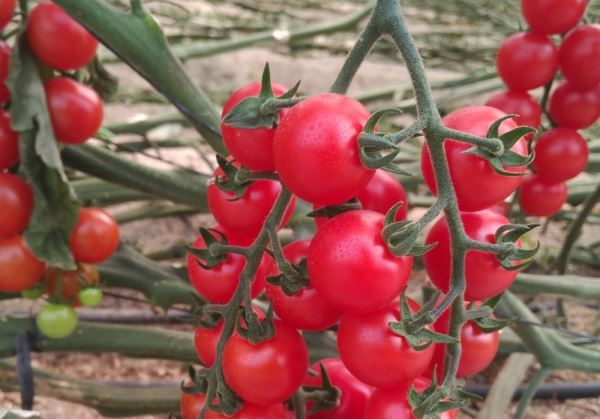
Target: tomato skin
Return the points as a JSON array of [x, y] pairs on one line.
[[579, 56], [548, 17], [560, 154], [253, 148], [56, 321], [70, 282], [251, 411], [16, 201], [269, 372], [57, 39], [19, 268], [518, 103], [319, 136], [574, 108], [9, 142], [484, 275], [7, 8], [476, 184], [354, 393], [375, 355], [90, 297], [350, 265], [190, 405], [5, 54], [205, 342], [76, 110], [306, 310], [95, 237], [540, 198], [526, 61], [393, 404], [383, 192], [245, 216]]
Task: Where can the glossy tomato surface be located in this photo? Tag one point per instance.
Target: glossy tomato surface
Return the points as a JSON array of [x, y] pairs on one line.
[[579, 56], [5, 54], [571, 107], [251, 411], [16, 204], [541, 198], [549, 17], [56, 321], [560, 154], [95, 237], [9, 142], [7, 8], [382, 193], [393, 404], [190, 405], [19, 268], [518, 103], [71, 282]]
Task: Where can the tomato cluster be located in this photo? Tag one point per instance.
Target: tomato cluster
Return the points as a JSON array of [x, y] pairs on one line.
[[529, 60]]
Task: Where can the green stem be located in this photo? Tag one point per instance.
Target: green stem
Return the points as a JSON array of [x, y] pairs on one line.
[[154, 209], [98, 192], [536, 381], [580, 287]]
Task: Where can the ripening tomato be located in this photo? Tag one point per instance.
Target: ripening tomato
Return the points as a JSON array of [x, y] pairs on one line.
[[269, 372], [318, 140], [526, 60], [541, 198], [476, 184], [95, 237], [307, 309], [382, 193], [548, 17], [56, 321], [374, 354], [190, 405], [518, 103], [71, 282], [5, 54], [484, 275], [16, 203], [579, 56], [218, 284], [7, 8], [354, 394], [575, 108], [560, 154], [251, 411], [245, 216], [57, 39], [253, 148], [9, 142], [19, 268], [76, 110], [350, 265]]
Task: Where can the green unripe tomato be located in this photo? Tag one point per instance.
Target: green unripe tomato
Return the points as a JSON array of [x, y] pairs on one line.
[[56, 321], [32, 293], [90, 297]]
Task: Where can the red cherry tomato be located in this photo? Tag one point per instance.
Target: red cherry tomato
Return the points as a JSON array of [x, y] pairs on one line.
[[269, 372], [318, 140], [501, 208], [9, 142], [374, 354], [350, 265], [19, 268], [548, 17], [354, 393], [526, 60], [7, 8], [540, 198], [518, 103], [579, 56], [190, 405], [76, 110], [250, 411], [245, 216], [571, 107], [16, 201], [57, 39], [382, 193], [560, 154], [71, 282], [484, 275], [476, 184], [95, 236], [253, 148], [5, 54], [307, 309]]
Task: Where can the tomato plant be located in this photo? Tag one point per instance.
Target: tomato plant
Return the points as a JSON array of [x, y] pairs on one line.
[[56, 321], [549, 17], [571, 107], [579, 56], [541, 198], [383, 192], [95, 237], [19, 268], [16, 201], [9, 142], [560, 154], [71, 282]]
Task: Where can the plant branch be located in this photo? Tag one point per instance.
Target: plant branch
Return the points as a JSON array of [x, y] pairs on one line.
[[534, 384]]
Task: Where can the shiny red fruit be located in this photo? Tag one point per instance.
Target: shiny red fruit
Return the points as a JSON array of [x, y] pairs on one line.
[[579, 56], [548, 17], [95, 237], [5, 54], [19, 268], [190, 405], [7, 8], [560, 154], [250, 411], [16, 203], [382, 193], [540, 198], [518, 103], [9, 142], [575, 108]]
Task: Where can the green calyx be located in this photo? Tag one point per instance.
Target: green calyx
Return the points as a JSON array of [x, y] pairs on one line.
[[326, 397], [401, 237], [482, 316], [434, 400], [515, 258], [254, 329], [210, 256], [292, 279]]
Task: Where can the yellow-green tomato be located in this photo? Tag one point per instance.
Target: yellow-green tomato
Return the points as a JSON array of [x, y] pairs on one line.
[[56, 321]]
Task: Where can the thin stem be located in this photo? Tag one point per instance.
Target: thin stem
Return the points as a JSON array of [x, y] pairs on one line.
[[409, 131], [498, 249], [535, 382], [299, 405], [494, 145]]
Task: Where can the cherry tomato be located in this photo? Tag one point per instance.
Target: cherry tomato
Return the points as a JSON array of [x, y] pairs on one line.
[[526, 60], [253, 148], [251, 411], [9, 142], [560, 154], [476, 184], [95, 237], [518, 103], [484, 275], [541, 198], [318, 139], [354, 394], [57, 39], [7, 8], [76, 110], [90, 297], [382, 193], [205, 342], [16, 201], [190, 405], [571, 107], [218, 284], [350, 265], [71, 282], [548, 17], [579, 56], [19, 268], [502, 208], [56, 321], [374, 354], [269, 372], [5, 54]]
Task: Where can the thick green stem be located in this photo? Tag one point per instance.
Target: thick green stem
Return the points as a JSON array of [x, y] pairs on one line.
[[154, 209], [98, 192], [580, 287], [536, 381]]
